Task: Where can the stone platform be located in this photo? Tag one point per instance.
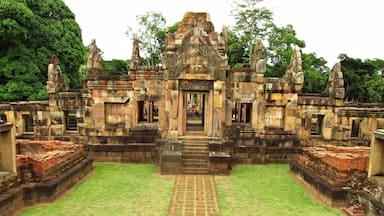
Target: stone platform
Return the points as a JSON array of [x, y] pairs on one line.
[[331, 170], [45, 170]]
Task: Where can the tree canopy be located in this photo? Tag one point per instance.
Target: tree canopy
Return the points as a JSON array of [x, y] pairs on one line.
[[363, 79], [254, 22], [116, 66], [31, 31], [151, 24]]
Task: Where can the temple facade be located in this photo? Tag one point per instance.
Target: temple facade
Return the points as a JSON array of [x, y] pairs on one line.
[[194, 114]]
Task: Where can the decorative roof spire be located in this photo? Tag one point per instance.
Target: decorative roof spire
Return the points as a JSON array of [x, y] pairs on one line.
[[94, 57], [135, 59], [335, 85]]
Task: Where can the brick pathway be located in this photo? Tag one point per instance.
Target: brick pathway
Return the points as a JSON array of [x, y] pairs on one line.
[[194, 195]]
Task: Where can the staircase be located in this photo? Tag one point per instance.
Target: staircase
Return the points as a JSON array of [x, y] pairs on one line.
[[195, 155]]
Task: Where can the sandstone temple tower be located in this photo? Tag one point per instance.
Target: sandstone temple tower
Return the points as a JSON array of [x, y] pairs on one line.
[[195, 67]]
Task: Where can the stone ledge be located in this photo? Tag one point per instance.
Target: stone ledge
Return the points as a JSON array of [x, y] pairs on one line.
[[124, 153], [5, 127], [379, 134], [120, 147], [219, 163], [331, 195], [30, 194], [171, 163]]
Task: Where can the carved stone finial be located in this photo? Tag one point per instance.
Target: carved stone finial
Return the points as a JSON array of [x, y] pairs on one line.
[[258, 61], [54, 60], [135, 59], [56, 81], [335, 85], [294, 72], [224, 30], [94, 57]]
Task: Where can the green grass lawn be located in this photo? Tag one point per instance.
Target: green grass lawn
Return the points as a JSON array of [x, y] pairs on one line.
[[115, 189], [136, 189], [266, 190]]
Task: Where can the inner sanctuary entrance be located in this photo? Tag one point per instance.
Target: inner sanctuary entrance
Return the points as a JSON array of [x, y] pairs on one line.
[[196, 114]]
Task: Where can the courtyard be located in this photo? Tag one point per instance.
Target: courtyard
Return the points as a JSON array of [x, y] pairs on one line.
[[136, 189]]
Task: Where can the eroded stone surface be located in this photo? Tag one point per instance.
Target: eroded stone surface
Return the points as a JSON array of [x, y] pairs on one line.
[[339, 166], [48, 158]]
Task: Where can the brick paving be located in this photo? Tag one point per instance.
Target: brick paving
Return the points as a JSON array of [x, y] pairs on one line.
[[194, 195]]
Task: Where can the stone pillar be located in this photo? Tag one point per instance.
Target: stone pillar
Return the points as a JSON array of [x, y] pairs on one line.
[[376, 159], [290, 117], [254, 115], [7, 148], [219, 108], [181, 121], [210, 114], [163, 106], [261, 113], [228, 112], [149, 111]]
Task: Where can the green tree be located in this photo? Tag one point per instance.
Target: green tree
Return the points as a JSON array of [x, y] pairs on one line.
[[281, 41], [160, 35], [235, 50], [375, 88], [252, 22], [316, 73], [31, 31], [116, 66], [150, 24], [363, 79]]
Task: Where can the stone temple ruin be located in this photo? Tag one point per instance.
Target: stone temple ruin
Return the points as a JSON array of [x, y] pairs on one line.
[[192, 115]]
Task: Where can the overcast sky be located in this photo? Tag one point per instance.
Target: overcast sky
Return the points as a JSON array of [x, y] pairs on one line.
[[329, 27]]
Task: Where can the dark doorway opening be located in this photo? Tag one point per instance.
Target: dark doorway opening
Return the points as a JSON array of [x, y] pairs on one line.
[[196, 107]]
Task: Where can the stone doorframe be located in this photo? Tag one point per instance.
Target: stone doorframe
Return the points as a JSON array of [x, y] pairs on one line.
[[203, 87]]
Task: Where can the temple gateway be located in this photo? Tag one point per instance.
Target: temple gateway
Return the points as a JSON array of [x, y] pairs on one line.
[[196, 115]]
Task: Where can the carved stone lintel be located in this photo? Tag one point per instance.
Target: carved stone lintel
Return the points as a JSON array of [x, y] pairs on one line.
[[196, 85]]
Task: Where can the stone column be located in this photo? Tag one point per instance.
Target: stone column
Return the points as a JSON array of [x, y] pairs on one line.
[[219, 108], [210, 110], [290, 117], [163, 106], [7, 148], [239, 113], [254, 114]]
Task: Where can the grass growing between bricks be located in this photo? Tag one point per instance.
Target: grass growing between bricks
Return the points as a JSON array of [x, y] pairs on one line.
[[115, 189], [266, 190]]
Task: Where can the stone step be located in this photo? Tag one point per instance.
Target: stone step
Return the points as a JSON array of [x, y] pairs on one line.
[[195, 143], [195, 165], [195, 137], [191, 160], [195, 161], [194, 156], [195, 148], [195, 152], [195, 170]]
